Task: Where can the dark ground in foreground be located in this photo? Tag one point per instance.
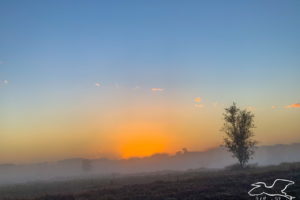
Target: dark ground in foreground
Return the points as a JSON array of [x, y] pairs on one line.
[[189, 185]]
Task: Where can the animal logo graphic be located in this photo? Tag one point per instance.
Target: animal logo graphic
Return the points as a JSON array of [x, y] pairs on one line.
[[276, 189]]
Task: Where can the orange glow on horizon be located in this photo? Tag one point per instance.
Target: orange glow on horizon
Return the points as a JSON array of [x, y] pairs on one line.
[[140, 139], [142, 147]]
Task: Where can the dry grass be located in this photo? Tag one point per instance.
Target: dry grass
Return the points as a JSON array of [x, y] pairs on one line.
[[229, 184]]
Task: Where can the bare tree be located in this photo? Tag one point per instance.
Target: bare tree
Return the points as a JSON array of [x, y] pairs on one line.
[[238, 127]]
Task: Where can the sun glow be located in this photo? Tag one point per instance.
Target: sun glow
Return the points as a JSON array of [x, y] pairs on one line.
[[142, 146], [142, 139]]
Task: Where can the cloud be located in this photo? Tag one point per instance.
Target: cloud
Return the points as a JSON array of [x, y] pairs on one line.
[[4, 82], [273, 107], [295, 105], [157, 89], [97, 84], [198, 99], [1, 62], [199, 105]]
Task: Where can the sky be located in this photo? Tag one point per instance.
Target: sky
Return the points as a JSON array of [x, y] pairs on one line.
[[120, 79]]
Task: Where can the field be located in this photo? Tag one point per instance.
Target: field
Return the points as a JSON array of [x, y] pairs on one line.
[[227, 184]]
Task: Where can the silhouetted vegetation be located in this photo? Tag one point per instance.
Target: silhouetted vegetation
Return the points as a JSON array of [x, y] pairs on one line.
[[238, 129]]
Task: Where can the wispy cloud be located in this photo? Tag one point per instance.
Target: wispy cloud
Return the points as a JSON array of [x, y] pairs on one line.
[[273, 107], [198, 99], [97, 84], [3, 82], [157, 89], [295, 105], [1, 62]]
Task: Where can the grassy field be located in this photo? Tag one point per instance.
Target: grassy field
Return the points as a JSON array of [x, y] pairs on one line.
[[227, 184]]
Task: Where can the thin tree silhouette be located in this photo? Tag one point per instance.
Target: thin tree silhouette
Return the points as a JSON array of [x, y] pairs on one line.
[[238, 127]]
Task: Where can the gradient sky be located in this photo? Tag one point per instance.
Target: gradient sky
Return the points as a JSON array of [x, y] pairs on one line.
[[133, 78]]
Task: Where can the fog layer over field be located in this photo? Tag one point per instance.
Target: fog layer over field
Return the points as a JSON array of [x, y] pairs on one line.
[[183, 160]]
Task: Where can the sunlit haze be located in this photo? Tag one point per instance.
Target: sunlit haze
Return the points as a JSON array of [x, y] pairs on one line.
[[122, 79]]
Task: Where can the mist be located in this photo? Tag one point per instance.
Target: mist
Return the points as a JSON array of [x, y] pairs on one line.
[[73, 168]]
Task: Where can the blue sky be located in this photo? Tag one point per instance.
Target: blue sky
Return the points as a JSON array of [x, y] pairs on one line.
[[53, 52], [192, 43]]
